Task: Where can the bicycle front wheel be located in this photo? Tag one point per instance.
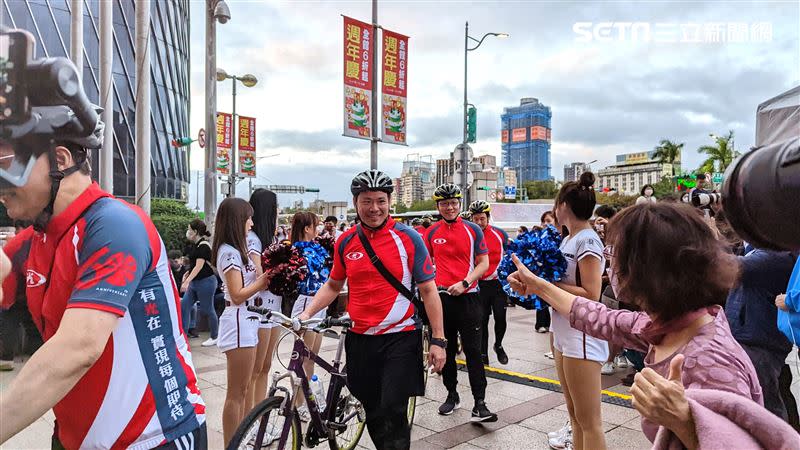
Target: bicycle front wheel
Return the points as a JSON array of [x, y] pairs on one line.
[[349, 412], [263, 426]]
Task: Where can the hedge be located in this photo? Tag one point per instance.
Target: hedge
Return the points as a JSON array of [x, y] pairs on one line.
[[171, 218]]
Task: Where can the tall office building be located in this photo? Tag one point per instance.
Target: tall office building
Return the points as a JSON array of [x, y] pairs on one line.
[[444, 170], [49, 22], [525, 137]]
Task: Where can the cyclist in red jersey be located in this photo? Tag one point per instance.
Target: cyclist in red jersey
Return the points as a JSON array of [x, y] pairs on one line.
[[459, 252], [491, 291], [115, 366], [384, 347]]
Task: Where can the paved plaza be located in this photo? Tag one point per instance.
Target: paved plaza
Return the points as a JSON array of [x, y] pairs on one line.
[[525, 412]]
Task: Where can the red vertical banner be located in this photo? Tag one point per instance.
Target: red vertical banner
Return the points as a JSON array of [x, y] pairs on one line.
[[394, 70], [359, 45], [224, 142], [247, 146], [504, 137]]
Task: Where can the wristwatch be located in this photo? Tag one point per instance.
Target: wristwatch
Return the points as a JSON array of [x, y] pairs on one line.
[[439, 342], [465, 283]]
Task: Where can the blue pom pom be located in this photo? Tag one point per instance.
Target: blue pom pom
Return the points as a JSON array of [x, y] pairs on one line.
[[318, 272], [538, 251]]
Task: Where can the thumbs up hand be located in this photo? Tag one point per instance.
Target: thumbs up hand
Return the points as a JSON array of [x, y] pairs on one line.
[[663, 401], [523, 281]]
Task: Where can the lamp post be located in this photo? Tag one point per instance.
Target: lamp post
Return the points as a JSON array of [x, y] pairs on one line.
[[249, 81], [467, 49], [216, 10]]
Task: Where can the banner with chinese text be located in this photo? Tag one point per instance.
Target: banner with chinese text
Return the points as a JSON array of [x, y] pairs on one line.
[[504, 137], [224, 142], [247, 146], [394, 60], [358, 48]]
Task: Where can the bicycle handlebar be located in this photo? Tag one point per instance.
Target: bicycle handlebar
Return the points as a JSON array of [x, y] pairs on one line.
[[298, 325]]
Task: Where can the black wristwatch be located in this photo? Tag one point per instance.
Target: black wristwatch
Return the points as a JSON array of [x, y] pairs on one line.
[[439, 342], [465, 284]]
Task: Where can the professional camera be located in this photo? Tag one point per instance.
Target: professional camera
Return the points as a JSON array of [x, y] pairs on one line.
[[701, 198], [41, 101]]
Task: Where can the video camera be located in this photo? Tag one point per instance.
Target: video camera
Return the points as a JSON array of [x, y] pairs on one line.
[[41, 101]]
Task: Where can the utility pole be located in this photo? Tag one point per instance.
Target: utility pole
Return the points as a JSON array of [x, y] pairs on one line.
[[234, 156], [373, 144], [106, 163], [76, 35], [464, 159], [142, 32]]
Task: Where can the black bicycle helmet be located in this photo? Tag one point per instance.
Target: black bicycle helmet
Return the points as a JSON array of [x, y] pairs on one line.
[[479, 206], [371, 180], [416, 222], [466, 215], [446, 192]]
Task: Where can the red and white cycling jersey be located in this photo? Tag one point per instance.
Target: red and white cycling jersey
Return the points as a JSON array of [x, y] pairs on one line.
[[496, 240], [454, 247], [374, 305], [105, 254]]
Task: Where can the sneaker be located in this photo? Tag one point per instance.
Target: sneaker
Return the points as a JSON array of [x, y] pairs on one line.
[[480, 413], [561, 442], [501, 354], [210, 342], [548, 355], [449, 405], [542, 330], [485, 360], [566, 429], [607, 369], [304, 414], [191, 333], [271, 434], [621, 361]]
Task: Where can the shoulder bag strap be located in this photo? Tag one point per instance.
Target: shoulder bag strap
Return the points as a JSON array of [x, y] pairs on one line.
[[376, 262]]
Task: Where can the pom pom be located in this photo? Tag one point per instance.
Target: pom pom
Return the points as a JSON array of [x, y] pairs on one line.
[[539, 251], [327, 242], [318, 272], [288, 267]]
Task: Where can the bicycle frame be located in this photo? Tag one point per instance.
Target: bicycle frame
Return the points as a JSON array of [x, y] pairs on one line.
[[299, 380]]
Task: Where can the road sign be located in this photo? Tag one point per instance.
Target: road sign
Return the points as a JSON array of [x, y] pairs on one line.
[[717, 177], [201, 138], [511, 191], [501, 195], [492, 196]]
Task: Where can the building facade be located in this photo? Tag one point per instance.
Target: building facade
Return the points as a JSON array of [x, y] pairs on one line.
[[634, 170], [525, 140], [444, 170], [573, 171], [49, 22]]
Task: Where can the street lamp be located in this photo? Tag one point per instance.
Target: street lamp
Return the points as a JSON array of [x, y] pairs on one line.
[[259, 158], [216, 11], [249, 81], [467, 49]]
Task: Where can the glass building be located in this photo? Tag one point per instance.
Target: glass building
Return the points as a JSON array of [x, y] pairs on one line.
[[49, 22], [526, 140]]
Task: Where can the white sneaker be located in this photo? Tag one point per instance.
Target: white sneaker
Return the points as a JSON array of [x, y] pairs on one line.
[[548, 355], [542, 330], [566, 429], [621, 361], [209, 343], [607, 369], [561, 442], [271, 434]]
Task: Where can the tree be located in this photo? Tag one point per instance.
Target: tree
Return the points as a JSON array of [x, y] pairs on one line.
[[542, 189], [616, 200], [666, 152], [171, 217], [720, 155], [664, 189]]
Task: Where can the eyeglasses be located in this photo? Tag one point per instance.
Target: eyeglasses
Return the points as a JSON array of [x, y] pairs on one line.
[[608, 252], [450, 204]]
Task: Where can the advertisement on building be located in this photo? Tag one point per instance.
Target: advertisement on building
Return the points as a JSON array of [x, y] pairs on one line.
[[394, 66], [518, 135], [539, 132], [504, 138], [358, 48], [224, 142], [247, 146]]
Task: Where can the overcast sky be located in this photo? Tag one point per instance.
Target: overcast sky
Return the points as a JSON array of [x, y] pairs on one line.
[[607, 97]]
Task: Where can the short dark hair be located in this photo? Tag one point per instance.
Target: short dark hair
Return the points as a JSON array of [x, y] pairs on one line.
[[80, 155], [331, 219], [545, 214], [174, 254], [605, 211], [579, 196], [641, 191], [523, 228], [668, 261]]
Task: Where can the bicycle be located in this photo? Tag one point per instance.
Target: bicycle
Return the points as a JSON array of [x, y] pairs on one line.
[[261, 429]]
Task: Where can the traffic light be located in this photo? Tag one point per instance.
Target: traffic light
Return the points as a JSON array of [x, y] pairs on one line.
[[472, 124], [181, 142], [484, 188]]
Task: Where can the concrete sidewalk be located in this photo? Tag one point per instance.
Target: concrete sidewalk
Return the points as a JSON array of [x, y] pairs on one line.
[[526, 413]]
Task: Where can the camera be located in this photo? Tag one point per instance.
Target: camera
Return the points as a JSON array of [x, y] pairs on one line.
[[41, 101], [701, 198]]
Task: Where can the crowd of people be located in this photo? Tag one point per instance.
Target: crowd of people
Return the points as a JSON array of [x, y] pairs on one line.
[[706, 320]]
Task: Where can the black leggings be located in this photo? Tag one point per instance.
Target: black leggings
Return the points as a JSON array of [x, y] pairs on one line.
[[493, 299]]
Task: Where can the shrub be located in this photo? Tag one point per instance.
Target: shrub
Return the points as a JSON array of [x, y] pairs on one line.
[[171, 217]]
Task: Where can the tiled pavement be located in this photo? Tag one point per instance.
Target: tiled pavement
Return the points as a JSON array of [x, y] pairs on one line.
[[526, 413]]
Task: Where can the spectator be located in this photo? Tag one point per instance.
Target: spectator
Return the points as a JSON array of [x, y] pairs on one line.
[[330, 227], [543, 315], [680, 311], [521, 230], [646, 195], [176, 265], [199, 284]]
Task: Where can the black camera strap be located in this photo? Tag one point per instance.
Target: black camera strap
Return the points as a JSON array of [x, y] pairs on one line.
[[378, 264]]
